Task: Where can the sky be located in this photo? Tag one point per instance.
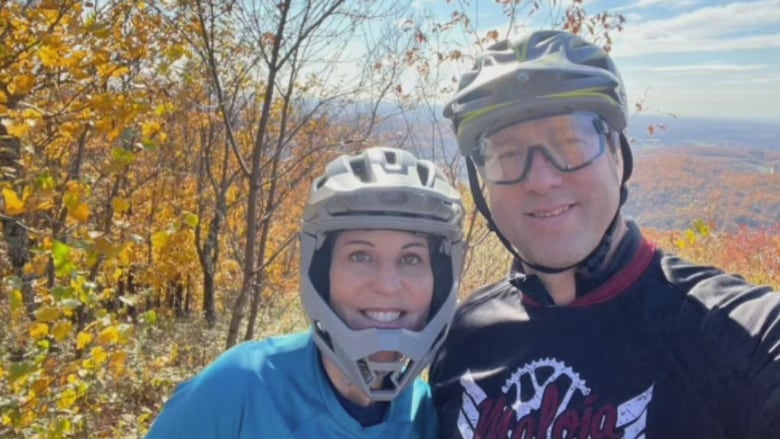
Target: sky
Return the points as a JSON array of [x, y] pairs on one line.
[[693, 58]]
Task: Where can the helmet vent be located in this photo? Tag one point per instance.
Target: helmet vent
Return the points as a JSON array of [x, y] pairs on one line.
[[390, 157], [424, 174], [359, 169]]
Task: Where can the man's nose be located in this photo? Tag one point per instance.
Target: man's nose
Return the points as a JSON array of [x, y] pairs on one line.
[[542, 173]]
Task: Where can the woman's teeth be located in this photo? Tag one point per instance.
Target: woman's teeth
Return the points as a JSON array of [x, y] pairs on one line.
[[548, 213], [383, 316]]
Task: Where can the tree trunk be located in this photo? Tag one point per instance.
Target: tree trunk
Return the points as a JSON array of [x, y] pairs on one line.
[[14, 232], [254, 182]]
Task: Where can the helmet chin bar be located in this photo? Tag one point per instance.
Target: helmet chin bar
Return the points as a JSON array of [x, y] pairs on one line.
[[590, 263]]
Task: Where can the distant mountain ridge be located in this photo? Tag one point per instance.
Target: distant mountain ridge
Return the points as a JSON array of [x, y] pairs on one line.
[[688, 131]]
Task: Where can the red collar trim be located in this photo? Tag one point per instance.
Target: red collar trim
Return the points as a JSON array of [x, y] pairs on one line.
[[615, 285]]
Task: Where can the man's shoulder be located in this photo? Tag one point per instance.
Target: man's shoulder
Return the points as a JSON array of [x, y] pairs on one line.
[[708, 285], [487, 295], [491, 303], [718, 300]]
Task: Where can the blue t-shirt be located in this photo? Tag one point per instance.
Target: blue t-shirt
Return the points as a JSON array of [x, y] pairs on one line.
[[277, 388]]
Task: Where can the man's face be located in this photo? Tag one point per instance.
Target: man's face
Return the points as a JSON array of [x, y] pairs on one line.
[[553, 217]]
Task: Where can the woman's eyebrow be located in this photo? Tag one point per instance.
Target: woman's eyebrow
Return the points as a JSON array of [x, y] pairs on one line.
[[356, 241], [371, 244]]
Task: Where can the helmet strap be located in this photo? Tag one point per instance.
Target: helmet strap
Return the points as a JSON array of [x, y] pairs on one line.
[[589, 263]]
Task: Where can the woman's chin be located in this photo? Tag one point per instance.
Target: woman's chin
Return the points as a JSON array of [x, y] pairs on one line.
[[385, 357]]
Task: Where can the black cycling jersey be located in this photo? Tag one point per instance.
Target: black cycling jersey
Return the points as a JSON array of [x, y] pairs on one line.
[[657, 348]]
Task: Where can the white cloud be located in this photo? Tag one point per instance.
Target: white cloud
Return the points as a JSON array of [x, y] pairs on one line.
[[732, 26], [641, 4], [758, 80], [705, 68]]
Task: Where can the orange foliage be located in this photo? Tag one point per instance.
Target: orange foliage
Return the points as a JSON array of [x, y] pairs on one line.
[[671, 187], [751, 252]]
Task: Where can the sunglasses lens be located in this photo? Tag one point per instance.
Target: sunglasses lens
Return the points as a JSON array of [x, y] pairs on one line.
[[569, 142]]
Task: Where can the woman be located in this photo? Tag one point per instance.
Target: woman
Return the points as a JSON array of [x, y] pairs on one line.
[[381, 253]]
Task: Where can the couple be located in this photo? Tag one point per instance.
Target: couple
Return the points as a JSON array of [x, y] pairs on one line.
[[595, 333]]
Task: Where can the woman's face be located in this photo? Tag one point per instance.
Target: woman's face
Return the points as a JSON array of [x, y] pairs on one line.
[[381, 279]]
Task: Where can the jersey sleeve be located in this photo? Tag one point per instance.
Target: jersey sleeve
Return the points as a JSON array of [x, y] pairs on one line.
[[742, 321]]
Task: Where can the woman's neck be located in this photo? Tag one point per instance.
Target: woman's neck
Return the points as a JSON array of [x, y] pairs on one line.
[[343, 385]]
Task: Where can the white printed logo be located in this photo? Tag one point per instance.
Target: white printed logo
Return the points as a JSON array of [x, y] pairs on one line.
[[535, 403]]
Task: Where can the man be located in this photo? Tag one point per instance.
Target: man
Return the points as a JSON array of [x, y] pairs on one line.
[[596, 333]]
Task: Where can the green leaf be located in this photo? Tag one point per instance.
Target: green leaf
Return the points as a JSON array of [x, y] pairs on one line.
[[149, 145], [45, 182], [122, 157], [46, 314], [18, 370], [60, 292], [701, 228], [191, 219], [65, 269], [149, 317], [16, 299], [60, 252]]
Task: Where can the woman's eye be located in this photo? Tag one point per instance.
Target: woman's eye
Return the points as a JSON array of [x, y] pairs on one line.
[[359, 257], [411, 259]]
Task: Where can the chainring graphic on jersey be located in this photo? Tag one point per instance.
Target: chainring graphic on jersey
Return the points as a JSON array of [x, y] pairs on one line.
[[536, 402]]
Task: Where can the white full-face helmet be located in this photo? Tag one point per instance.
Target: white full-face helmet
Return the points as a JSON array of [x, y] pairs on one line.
[[381, 188]]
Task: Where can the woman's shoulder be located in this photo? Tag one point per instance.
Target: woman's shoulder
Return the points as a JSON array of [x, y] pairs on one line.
[[253, 356]]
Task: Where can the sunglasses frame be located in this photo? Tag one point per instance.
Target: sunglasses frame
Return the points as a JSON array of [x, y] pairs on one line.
[[602, 130]]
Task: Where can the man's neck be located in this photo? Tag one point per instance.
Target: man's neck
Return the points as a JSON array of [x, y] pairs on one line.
[[562, 287]]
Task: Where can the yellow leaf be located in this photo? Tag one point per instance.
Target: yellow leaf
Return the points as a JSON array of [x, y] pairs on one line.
[[21, 84], [47, 314], [109, 335], [80, 213], [61, 330], [83, 339], [13, 205], [159, 239], [16, 299], [120, 205], [48, 56], [67, 399], [99, 355], [39, 330], [19, 129], [149, 129], [119, 72], [40, 386], [117, 363]]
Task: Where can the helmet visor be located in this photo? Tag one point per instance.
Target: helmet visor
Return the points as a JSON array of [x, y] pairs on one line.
[[569, 142]]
